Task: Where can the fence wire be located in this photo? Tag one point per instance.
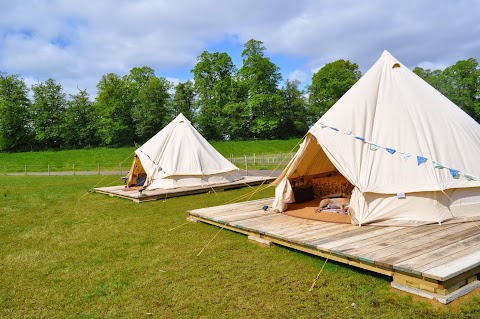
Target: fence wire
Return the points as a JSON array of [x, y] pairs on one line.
[[242, 162]]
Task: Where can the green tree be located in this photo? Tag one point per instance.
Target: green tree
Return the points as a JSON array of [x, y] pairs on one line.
[[80, 124], [213, 75], [184, 100], [261, 78], [15, 131], [293, 111], [435, 78], [464, 86], [151, 111], [236, 125], [48, 110], [329, 84], [114, 106]]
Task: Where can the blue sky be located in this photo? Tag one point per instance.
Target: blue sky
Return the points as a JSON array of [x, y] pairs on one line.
[[76, 42]]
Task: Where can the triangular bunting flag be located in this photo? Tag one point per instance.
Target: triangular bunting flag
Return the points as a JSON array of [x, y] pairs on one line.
[[454, 172], [437, 165], [374, 147], [421, 160]]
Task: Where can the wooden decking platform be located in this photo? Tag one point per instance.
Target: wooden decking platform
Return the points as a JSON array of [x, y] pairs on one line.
[[150, 195], [439, 262]]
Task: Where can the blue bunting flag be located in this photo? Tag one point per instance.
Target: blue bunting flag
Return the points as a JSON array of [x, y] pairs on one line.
[[421, 160], [454, 172]]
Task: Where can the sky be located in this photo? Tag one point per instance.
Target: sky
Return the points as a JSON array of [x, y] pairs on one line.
[[77, 42]]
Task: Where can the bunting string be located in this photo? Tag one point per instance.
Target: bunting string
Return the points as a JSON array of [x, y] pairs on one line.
[[406, 156]]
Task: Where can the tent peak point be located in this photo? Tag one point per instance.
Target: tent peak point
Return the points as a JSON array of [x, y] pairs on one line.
[[385, 52]]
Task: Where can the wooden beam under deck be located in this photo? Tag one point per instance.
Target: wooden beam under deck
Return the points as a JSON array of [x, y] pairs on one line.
[[438, 260], [150, 195]]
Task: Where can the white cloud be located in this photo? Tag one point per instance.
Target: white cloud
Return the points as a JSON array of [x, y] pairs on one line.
[[427, 65], [175, 81], [76, 43], [298, 75]]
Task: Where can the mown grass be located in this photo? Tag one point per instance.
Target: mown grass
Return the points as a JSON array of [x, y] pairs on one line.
[[65, 253], [241, 148], [107, 159]]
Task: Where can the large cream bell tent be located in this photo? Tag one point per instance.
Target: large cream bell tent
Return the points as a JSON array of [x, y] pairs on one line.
[[410, 155], [179, 156]]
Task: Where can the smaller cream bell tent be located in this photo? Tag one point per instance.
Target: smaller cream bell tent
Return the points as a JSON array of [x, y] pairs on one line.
[[410, 155], [178, 156]]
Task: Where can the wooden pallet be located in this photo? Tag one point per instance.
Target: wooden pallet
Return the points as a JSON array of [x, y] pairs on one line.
[[439, 262], [150, 195]]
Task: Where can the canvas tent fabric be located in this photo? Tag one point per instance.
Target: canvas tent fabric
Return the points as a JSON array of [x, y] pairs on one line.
[[387, 136], [179, 156]]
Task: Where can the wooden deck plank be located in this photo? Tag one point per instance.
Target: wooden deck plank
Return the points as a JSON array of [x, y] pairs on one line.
[[288, 232], [270, 227], [347, 233], [390, 241], [338, 245], [261, 223], [440, 256], [156, 194], [315, 231], [426, 244], [383, 239], [212, 211], [301, 229], [454, 267], [243, 217], [235, 211], [280, 227], [329, 233], [407, 249], [325, 234]]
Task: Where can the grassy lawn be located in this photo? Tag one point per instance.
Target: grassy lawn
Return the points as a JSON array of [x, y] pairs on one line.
[[65, 253], [241, 148], [107, 159]]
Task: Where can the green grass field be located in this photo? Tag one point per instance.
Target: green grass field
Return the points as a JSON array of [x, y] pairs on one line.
[[107, 159], [66, 253]]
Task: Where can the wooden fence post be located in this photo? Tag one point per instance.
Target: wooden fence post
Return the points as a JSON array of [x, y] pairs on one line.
[[246, 166]]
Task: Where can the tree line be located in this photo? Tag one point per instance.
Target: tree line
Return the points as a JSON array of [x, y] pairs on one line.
[[224, 102]]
